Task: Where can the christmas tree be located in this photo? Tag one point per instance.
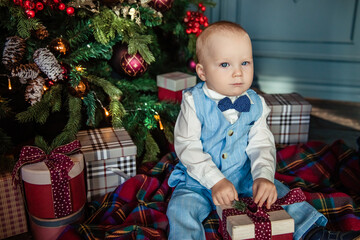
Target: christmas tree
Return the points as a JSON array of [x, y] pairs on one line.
[[70, 65]]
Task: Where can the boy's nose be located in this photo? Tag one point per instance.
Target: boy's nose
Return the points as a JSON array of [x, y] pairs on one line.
[[237, 73]]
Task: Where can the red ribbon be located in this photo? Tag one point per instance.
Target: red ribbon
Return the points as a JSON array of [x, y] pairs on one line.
[[59, 165], [260, 216]]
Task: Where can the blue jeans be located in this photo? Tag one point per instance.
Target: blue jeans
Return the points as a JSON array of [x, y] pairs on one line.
[[188, 208]]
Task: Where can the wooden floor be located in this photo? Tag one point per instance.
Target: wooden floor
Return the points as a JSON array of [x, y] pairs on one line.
[[330, 121]]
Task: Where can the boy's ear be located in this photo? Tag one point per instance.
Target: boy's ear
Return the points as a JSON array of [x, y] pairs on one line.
[[200, 71]]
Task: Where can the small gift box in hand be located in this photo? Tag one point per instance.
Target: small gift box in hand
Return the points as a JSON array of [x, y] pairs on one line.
[[252, 222]]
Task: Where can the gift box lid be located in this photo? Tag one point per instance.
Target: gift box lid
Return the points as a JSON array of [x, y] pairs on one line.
[[287, 104], [242, 227], [175, 81], [38, 173], [105, 143]]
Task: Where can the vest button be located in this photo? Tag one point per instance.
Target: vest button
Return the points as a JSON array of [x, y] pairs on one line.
[[230, 132], [224, 156]]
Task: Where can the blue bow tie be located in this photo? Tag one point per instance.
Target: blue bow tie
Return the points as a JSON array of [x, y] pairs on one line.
[[242, 104]]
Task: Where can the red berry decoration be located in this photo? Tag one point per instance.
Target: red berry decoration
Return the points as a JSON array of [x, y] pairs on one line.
[[30, 13], [133, 65], [70, 10], [62, 6], [161, 5], [18, 2], [39, 6], [196, 21]]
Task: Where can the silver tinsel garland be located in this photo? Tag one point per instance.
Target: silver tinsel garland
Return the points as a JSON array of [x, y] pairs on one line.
[[13, 52], [48, 64]]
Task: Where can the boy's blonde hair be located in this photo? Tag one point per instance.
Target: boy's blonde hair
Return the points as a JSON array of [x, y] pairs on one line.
[[221, 26]]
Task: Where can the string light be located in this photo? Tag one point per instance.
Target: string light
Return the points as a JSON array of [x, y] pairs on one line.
[[79, 68], [105, 110], [9, 84], [157, 118]]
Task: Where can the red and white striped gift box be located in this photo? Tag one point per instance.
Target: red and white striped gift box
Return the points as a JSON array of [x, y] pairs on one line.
[[12, 210], [170, 85], [289, 119], [110, 157]]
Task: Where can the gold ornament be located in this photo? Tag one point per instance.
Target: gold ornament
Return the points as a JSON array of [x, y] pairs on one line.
[[81, 89], [59, 46]]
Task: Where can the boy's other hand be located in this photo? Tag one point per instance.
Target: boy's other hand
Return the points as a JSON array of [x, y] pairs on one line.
[[264, 191], [224, 192]]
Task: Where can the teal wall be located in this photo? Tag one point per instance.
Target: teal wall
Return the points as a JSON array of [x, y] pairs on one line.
[[307, 46]]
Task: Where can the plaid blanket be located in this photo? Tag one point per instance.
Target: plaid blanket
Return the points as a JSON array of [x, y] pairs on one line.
[[329, 177], [137, 208]]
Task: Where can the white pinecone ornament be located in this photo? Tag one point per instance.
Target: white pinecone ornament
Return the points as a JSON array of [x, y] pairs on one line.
[[25, 72], [48, 64], [35, 90], [13, 52]]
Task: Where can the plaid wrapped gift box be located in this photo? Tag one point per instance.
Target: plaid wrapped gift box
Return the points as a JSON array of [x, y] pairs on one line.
[[170, 85], [110, 157], [289, 119], [12, 210]]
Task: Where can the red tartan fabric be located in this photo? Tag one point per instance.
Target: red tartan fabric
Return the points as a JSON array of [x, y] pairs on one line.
[[329, 177]]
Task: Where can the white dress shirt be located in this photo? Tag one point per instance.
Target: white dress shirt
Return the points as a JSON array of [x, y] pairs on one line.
[[260, 150]]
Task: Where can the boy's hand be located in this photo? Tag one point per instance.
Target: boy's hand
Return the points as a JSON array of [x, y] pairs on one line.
[[224, 192], [264, 191]]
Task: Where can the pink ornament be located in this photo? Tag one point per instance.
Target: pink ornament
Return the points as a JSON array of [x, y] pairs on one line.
[[133, 65], [161, 5], [192, 65]]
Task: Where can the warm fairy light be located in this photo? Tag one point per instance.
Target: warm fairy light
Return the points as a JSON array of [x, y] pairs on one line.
[[79, 68], [106, 112], [9, 84], [157, 118], [45, 88]]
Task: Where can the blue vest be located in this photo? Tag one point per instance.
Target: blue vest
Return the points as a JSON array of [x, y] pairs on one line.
[[225, 142]]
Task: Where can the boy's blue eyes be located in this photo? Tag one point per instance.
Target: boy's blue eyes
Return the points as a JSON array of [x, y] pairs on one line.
[[225, 64]]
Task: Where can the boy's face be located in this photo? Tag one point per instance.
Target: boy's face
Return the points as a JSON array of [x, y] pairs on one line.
[[227, 63]]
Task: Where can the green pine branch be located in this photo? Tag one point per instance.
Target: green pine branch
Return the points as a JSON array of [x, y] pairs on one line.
[[73, 124], [90, 103], [79, 34], [152, 149]]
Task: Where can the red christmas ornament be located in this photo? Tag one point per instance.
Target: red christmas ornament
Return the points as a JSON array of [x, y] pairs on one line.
[[62, 6], [133, 65], [70, 10], [196, 21], [161, 5]]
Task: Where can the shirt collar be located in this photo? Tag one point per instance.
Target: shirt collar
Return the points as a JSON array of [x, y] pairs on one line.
[[217, 96]]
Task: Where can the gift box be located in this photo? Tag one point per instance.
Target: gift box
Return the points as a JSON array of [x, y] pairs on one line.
[[12, 210], [49, 229], [289, 119], [170, 85], [242, 227], [248, 221], [39, 192], [110, 158]]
